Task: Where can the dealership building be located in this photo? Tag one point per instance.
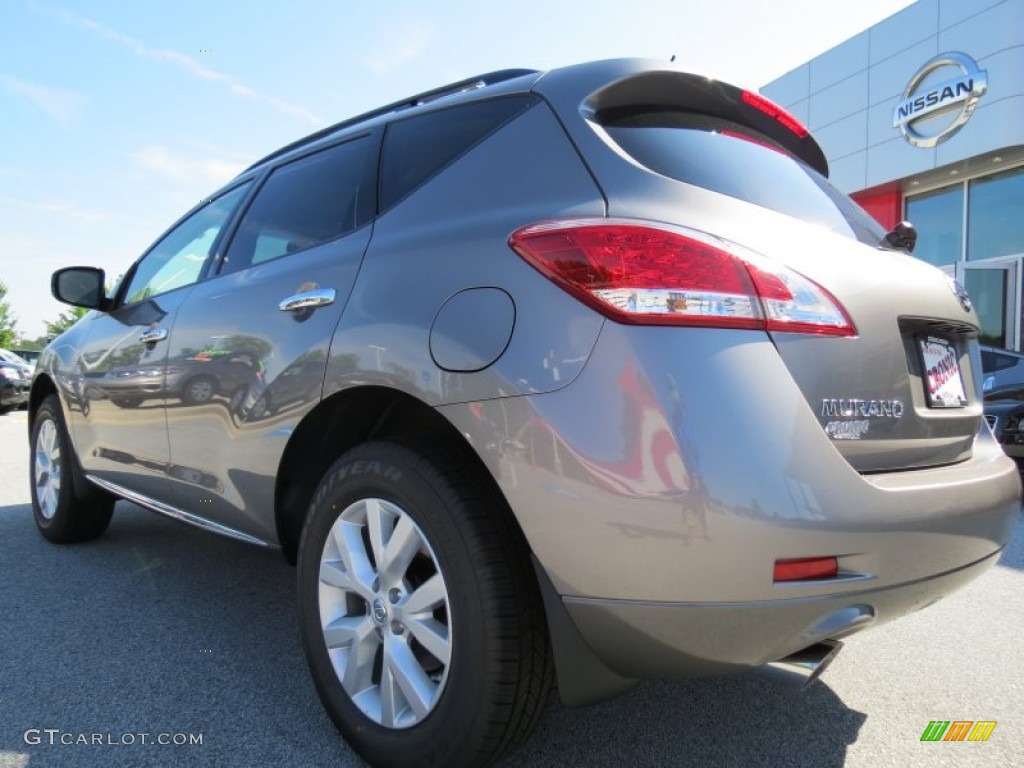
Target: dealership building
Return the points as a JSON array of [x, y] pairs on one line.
[[921, 118]]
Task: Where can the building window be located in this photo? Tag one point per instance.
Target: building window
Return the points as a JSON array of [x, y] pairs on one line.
[[995, 215], [939, 219], [988, 288]]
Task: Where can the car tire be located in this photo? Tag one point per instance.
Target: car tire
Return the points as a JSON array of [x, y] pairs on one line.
[[261, 408], [236, 399], [465, 589], [198, 390], [66, 508]]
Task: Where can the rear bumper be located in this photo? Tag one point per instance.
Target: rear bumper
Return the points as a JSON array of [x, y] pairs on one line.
[[641, 640], [658, 489]]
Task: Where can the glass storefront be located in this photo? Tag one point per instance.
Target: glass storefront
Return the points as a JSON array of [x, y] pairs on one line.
[[988, 288], [938, 217], [989, 257], [995, 215]]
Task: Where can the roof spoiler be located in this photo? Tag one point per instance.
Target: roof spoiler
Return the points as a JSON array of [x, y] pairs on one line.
[[663, 89], [470, 83]]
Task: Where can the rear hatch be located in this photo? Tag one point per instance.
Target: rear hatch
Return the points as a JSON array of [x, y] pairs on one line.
[[899, 390]]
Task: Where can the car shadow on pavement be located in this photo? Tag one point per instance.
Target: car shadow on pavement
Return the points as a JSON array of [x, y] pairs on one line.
[[156, 627], [160, 628], [1013, 555], [750, 719]]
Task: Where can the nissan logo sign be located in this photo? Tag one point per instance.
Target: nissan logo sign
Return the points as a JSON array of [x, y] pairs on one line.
[[923, 112]]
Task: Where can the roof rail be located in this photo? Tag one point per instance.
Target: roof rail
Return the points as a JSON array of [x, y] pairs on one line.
[[480, 81]]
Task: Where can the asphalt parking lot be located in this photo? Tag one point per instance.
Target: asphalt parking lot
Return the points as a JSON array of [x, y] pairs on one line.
[[162, 629]]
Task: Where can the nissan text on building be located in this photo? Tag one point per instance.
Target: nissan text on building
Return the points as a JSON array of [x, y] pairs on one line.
[[921, 118]]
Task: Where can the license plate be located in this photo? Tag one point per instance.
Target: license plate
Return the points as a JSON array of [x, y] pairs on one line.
[[943, 384]]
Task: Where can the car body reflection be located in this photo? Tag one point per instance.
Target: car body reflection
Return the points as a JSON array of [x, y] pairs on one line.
[[179, 472], [192, 380]]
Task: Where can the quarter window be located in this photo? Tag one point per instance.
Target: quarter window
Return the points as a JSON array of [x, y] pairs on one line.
[[418, 147], [178, 258], [307, 202]]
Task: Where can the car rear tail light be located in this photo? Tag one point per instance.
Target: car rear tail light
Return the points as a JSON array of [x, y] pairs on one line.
[[806, 568], [647, 274], [794, 303]]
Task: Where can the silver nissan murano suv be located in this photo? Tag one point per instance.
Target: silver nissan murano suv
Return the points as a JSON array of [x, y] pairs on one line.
[[587, 375]]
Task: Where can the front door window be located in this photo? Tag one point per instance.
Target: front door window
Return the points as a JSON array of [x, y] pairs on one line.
[[178, 259]]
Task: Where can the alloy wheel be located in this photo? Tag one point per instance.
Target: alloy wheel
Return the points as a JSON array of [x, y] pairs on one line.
[[384, 612], [47, 468], [200, 391]]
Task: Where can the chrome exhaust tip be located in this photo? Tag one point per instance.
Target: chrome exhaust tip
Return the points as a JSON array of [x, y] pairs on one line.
[[811, 661]]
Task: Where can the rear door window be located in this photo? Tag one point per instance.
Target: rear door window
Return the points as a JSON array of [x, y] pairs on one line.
[[418, 147], [730, 158], [307, 202]]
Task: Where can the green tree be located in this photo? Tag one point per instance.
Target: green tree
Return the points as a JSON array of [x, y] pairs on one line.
[[67, 318], [8, 334], [253, 346], [35, 344]]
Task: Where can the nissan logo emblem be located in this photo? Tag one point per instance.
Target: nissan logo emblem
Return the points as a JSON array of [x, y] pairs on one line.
[[924, 104], [380, 610]]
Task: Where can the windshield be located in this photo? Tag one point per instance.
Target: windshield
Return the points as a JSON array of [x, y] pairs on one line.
[[732, 159], [10, 357]]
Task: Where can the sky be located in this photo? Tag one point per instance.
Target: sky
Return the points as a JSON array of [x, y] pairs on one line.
[[117, 116]]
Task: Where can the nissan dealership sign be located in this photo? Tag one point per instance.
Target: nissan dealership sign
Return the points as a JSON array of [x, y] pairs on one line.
[[939, 99]]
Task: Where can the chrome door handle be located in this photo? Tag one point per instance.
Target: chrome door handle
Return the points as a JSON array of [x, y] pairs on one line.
[[153, 335], [308, 299]]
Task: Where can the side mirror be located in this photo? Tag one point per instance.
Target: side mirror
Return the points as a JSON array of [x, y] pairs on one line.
[[79, 286], [903, 237]]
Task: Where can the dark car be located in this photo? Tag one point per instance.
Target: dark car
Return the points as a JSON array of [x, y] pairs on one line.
[[1002, 368], [15, 381], [493, 347], [1004, 412]]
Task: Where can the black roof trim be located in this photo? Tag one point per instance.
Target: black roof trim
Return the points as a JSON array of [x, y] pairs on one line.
[[470, 83]]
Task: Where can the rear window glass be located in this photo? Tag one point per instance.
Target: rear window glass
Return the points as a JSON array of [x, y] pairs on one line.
[[730, 158], [418, 147], [1009, 393], [993, 361]]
